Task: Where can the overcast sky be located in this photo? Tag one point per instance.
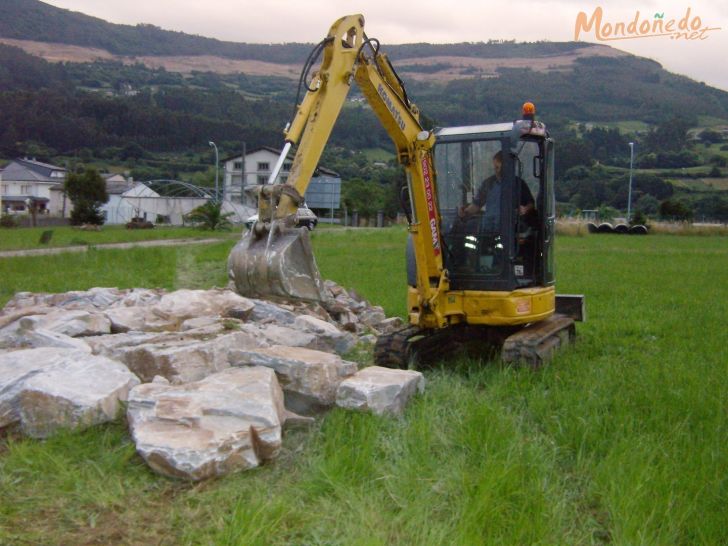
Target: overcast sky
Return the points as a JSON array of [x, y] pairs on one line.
[[435, 21]]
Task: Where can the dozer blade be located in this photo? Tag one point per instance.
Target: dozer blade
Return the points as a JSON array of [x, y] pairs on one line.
[[536, 343], [276, 264]]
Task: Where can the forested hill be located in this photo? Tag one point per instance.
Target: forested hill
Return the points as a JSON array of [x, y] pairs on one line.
[[70, 106], [34, 20]]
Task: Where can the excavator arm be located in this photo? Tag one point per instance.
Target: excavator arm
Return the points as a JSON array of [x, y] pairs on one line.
[[274, 258]]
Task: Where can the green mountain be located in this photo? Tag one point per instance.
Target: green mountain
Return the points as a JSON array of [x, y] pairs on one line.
[[35, 20], [136, 116]]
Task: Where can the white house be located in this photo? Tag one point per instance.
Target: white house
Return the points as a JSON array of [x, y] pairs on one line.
[[27, 182], [243, 173], [254, 169]]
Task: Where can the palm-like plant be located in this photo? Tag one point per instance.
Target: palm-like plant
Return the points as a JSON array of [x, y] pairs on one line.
[[210, 216]]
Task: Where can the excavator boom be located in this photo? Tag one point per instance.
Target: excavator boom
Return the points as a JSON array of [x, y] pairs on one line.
[[274, 258]]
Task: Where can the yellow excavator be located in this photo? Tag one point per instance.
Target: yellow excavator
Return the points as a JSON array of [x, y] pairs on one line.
[[480, 207]]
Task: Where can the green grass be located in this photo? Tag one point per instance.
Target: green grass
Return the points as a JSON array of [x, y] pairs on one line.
[[621, 439], [28, 238], [701, 184], [160, 267], [711, 121], [378, 154]]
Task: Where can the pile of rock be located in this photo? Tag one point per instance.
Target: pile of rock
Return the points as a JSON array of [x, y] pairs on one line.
[[207, 378]]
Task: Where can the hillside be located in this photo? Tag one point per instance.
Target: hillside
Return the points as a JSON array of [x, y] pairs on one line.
[[36, 21], [454, 83], [146, 100]]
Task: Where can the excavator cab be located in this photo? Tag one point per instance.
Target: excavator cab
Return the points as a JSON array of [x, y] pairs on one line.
[[502, 176]]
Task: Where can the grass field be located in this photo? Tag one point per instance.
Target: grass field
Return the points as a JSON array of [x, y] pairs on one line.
[[28, 238], [622, 439]]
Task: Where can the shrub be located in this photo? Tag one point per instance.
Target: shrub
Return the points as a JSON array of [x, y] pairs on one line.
[[7, 221], [210, 216], [638, 218]]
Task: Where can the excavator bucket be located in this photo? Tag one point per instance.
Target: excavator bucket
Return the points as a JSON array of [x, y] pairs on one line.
[[276, 263]]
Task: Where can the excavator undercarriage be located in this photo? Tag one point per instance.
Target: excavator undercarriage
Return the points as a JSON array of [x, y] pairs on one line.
[[533, 344]]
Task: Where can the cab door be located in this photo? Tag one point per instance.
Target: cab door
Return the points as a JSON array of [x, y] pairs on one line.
[[549, 215]]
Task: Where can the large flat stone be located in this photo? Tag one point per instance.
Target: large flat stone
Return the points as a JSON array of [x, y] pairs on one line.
[[141, 318], [309, 378], [185, 360], [75, 323], [328, 336], [173, 309], [83, 391], [97, 298], [227, 422], [15, 369], [45, 389], [187, 304], [280, 335], [26, 333], [379, 390], [266, 311]]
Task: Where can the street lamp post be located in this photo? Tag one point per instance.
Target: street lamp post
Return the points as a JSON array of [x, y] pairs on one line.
[[629, 193], [217, 168]]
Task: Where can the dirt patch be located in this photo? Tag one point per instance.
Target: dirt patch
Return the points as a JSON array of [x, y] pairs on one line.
[[470, 67], [453, 67]]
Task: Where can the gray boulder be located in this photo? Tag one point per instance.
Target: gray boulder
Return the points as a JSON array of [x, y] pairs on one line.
[[390, 325], [92, 299], [48, 389], [187, 304], [280, 335], [309, 378], [328, 336], [372, 316], [379, 390], [227, 422], [75, 323], [26, 333], [173, 309], [266, 311], [141, 318], [185, 360], [115, 346], [15, 369]]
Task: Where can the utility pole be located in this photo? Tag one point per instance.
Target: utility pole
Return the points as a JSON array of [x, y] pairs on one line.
[[217, 168], [629, 193], [242, 173]]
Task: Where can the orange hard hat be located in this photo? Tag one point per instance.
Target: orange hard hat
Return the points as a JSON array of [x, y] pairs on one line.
[[528, 109]]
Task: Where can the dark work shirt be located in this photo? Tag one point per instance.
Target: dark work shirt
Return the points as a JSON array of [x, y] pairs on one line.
[[489, 183]]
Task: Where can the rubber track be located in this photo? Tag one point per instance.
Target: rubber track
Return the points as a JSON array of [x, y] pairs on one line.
[[393, 350]]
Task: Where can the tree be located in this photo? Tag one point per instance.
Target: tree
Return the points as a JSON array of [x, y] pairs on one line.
[[210, 216], [709, 136], [365, 197], [87, 191], [647, 204], [570, 153], [675, 210], [668, 136]]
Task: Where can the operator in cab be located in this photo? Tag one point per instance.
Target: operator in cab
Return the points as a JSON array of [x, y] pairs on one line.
[[489, 196]]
